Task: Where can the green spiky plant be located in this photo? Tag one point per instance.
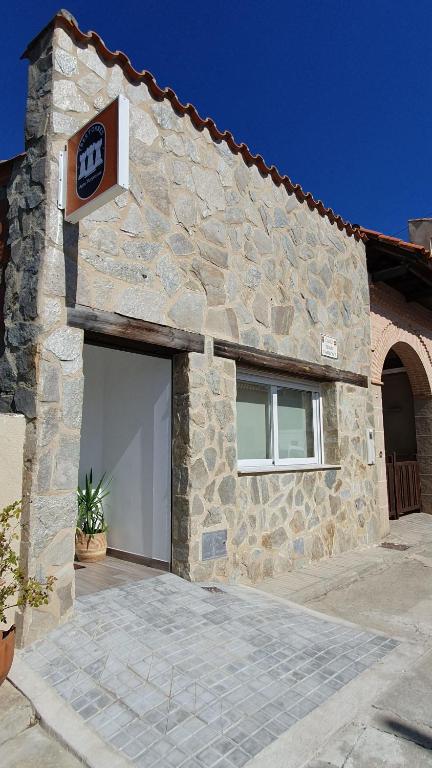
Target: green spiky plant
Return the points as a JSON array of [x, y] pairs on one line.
[[91, 518], [17, 591]]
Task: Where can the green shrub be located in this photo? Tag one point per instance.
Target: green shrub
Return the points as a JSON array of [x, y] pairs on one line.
[[91, 518], [15, 590]]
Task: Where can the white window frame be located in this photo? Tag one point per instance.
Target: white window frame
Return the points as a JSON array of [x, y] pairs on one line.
[[259, 462], [274, 383]]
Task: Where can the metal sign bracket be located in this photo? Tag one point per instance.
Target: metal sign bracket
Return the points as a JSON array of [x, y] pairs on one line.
[[62, 180]]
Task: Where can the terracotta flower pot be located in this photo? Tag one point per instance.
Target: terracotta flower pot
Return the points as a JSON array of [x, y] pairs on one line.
[[7, 648], [90, 549]]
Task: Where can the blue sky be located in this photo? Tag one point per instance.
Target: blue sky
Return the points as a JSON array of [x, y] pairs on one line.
[[338, 95]]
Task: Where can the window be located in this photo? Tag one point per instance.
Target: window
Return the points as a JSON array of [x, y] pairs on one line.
[[278, 422]]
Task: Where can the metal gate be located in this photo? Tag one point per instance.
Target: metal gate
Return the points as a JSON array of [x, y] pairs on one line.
[[403, 486]]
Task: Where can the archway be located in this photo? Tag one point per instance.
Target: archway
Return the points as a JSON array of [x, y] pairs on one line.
[[400, 440], [407, 430], [400, 326]]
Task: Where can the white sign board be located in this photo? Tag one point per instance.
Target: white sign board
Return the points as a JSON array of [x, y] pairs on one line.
[[329, 347]]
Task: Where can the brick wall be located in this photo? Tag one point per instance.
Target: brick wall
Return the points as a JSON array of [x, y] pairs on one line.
[[394, 321], [405, 327]]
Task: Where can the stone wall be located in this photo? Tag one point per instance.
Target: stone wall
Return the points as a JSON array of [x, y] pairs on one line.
[[204, 462], [205, 243], [277, 520], [25, 194], [40, 369], [4, 251], [289, 519], [201, 242]]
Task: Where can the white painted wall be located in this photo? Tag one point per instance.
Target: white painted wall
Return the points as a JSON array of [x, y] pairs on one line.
[[126, 432], [12, 437]]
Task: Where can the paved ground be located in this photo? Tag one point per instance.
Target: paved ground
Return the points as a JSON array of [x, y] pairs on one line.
[[396, 732], [171, 674], [242, 676], [381, 590], [314, 581]]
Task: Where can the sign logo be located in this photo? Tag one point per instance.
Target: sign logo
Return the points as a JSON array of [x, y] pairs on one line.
[[90, 161], [94, 168]]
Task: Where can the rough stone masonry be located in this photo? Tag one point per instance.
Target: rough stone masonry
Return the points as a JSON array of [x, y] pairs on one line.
[[201, 242]]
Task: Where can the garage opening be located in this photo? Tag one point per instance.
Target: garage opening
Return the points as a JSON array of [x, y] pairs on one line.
[[126, 434]]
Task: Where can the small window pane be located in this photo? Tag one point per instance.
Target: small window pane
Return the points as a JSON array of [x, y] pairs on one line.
[[295, 424], [253, 421]]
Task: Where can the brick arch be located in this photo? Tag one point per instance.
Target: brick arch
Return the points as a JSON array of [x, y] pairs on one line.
[[413, 353]]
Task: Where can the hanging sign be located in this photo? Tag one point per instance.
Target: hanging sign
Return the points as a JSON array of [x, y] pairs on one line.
[[329, 347], [95, 165]]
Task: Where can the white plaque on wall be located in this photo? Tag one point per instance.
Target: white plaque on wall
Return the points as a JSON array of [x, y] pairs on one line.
[[329, 347]]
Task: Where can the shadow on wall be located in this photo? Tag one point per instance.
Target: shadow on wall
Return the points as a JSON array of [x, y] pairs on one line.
[[70, 249]]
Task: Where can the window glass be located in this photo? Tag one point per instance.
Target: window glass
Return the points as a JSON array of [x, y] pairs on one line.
[[295, 424], [253, 421]]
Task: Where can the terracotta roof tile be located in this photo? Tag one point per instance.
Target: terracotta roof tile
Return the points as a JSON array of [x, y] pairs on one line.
[[370, 234], [68, 23]]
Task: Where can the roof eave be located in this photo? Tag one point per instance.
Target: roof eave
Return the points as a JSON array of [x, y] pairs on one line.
[[65, 20]]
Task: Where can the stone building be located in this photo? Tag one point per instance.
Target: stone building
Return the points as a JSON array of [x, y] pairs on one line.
[[173, 339]]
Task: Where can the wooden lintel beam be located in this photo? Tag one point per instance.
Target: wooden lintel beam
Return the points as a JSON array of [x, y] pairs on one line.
[[257, 358], [128, 329]]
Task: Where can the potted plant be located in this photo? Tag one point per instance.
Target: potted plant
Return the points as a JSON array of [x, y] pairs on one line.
[[15, 590], [90, 538]]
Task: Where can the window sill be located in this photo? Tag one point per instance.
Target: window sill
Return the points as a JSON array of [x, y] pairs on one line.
[[284, 468]]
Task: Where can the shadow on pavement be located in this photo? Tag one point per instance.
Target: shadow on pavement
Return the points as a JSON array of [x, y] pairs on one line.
[[409, 732]]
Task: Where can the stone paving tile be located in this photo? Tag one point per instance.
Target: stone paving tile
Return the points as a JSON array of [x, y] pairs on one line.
[[172, 675]]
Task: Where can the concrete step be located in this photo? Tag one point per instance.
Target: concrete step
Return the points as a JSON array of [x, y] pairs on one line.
[[16, 712], [35, 749], [23, 743]]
